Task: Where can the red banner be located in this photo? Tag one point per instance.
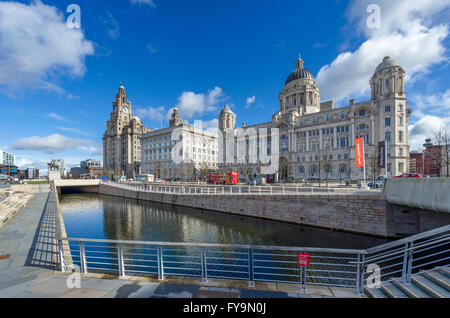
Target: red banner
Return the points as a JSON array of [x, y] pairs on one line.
[[303, 259], [359, 153]]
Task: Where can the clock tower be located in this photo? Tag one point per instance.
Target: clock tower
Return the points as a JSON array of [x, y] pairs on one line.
[[121, 141]]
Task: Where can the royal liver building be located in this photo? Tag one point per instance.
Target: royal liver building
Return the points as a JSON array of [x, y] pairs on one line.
[[318, 140], [121, 141]]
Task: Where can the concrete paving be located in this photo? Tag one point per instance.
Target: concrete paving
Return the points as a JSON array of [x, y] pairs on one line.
[[28, 269]]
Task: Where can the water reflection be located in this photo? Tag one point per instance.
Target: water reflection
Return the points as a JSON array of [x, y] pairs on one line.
[[107, 217]]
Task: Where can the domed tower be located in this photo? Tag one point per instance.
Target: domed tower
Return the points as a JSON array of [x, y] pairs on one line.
[[175, 119], [389, 100], [300, 92], [227, 119], [388, 80]]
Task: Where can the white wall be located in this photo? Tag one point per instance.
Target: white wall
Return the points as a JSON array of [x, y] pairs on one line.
[[426, 193]]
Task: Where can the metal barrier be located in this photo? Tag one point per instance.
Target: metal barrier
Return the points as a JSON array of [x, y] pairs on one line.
[[398, 260], [402, 259], [231, 190], [328, 267]]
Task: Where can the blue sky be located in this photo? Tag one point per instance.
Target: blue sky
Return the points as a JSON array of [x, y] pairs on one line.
[[57, 84]]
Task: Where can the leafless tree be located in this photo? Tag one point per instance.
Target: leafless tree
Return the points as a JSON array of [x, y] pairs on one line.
[[372, 161], [442, 138]]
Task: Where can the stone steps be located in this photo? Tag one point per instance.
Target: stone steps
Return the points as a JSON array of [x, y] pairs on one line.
[[432, 284]]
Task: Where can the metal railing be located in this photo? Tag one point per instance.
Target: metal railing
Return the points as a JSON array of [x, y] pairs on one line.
[[404, 258], [329, 267], [230, 190], [397, 260]]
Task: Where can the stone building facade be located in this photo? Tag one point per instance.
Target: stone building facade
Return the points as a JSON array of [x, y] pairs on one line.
[[197, 149], [121, 142], [318, 140]]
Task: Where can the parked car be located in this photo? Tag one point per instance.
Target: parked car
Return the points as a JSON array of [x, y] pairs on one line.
[[408, 175], [379, 182]]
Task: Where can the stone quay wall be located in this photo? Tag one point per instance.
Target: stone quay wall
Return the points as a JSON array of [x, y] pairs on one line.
[[366, 214]]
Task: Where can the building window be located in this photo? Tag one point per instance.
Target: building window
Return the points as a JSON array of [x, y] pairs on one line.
[[314, 120], [400, 136], [387, 136], [387, 122], [342, 115], [327, 118], [362, 113], [387, 109], [389, 168]]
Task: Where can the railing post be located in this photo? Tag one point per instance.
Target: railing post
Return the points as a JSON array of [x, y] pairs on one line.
[[62, 263], [270, 189], [160, 264], [251, 272], [204, 267], [120, 260], [283, 190], [296, 189], [361, 271], [259, 190], [83, 258], [223, 190], [407, 263]]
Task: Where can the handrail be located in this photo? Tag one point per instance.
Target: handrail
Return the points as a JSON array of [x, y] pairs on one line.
[[408, 239], [235, 246], [403, 250]]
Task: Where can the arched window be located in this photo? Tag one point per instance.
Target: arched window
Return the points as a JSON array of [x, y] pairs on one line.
[[387, 87]]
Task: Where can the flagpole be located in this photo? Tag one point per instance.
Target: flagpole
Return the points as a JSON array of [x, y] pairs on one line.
[[364, 162]]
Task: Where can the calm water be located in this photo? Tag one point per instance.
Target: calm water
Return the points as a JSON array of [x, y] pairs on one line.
[[107, 217]]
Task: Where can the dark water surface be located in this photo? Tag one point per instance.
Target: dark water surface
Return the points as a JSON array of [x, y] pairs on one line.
[[107, 217]]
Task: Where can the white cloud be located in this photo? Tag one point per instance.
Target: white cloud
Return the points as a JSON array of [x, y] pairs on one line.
[[36, 46], [146, 2], [435, 103], [191, 104], [250, 101], [94, 150], [152, 113], [27, 162], [424, 128], [112, 25], [152, 49], [52, 144], [407, 34], [57, 117], [74, 130]]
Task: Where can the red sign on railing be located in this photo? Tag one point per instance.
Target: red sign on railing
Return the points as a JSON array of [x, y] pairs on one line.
[[303, 259]]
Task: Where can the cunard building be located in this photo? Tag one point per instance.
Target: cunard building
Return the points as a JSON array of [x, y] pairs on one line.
[[318, 140]]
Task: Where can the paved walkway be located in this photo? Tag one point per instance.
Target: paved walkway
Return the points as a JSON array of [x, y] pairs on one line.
[[27, 269]]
